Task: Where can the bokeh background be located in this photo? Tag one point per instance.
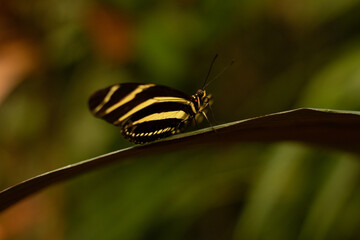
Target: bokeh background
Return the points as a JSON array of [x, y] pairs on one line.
[[289, 54]]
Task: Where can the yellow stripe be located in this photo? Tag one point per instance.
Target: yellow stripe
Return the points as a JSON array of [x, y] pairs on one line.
[[128, 98], [163, 115], [106, 99], [150, 102]]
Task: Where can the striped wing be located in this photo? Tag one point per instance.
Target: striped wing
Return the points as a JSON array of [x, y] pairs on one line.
[[144, 112]]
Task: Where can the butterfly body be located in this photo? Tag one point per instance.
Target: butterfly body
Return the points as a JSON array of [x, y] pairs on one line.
[[147, 112]]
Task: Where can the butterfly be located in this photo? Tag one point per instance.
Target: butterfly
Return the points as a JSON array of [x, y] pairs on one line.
[[148, 112]]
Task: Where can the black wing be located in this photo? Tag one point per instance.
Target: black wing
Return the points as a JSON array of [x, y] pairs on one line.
[[145, 112]]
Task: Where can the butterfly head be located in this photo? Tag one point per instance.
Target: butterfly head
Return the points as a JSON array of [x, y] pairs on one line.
[[201, 99]]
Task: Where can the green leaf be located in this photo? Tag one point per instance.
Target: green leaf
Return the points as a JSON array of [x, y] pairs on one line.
[[330, 128]]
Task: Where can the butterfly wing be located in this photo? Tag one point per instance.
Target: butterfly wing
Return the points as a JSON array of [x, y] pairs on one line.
[[144, 112]]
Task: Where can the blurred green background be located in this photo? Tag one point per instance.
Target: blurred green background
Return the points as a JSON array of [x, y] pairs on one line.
[[289, 54]]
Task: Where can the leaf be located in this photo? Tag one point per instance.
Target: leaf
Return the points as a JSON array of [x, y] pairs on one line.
[[330, 128]]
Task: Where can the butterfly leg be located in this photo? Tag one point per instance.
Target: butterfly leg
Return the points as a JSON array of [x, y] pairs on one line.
[[204, 114], [196, 124], [212, 114]]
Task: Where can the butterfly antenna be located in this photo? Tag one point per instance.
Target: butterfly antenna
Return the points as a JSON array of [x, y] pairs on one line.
[[208, 74], [219, 74]]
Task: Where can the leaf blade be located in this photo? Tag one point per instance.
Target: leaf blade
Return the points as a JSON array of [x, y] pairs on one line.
[[330, 128]]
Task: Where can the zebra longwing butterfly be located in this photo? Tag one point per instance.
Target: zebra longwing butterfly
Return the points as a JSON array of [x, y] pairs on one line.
[[147, 112]]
